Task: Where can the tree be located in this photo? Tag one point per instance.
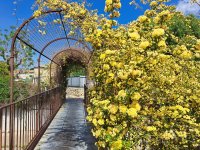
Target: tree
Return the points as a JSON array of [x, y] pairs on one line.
[[23, 54], [4, 82], [23, 59]]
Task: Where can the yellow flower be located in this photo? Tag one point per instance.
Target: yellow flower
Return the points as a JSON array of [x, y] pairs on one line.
[[117, 145], [113, 109], [167, 136], [144, 44], [122, 109], [116, 13], [134, 35], [136, 105], [121, 93], [151, 128], [136, 96], [94, 121], [101, 121], [37, 13], [89, 118], [122, 75], [136, 73], [106, 67], [197, 46], [64, 7], [142, 19], [82, 12], [119, 65], [132, 112], [158, 32], [102, 56], [97, 133], [186, 55], [153, 3], [162, 44], [99, 32], [109, 2], [108, 52], [181, 134], [156, 19], [117, 5], [113, 63], [113, 118], [111, 75]]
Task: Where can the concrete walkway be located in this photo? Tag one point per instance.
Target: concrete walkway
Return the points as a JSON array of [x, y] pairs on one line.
[[69, 129]]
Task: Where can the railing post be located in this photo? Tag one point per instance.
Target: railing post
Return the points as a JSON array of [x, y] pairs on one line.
[[85, 94], [1, 129], [12, 67]]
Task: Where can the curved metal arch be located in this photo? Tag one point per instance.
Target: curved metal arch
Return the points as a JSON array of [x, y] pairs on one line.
[[52, 60], [62, 38], [74, 49]]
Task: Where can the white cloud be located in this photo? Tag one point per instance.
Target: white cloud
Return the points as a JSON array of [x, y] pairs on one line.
[[188, 8]]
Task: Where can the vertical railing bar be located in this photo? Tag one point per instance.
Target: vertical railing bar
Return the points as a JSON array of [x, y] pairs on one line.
[[23, 124], [1, 128], [17, 144], [13, 126], [27, 122], [5, 141], [26, 138], [20, 128], [31, 119]]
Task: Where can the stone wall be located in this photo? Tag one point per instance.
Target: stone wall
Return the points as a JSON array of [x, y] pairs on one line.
[[73, 92]]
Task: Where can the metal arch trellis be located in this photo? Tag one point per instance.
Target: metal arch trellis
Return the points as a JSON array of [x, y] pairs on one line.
[[48, 44], [67, 51], [38, 50], [52, 60], [16, 36]]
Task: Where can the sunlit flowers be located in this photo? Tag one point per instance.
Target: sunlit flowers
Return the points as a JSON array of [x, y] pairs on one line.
[[144, 44], [132, 112], [151, 128], [167, 135], [113, 109], [122, 109], [136, 96], [153, 3], [142, 19], [134, 35], [106, 67], [121, 93], [158, 32], [162, 44], [116, 145]]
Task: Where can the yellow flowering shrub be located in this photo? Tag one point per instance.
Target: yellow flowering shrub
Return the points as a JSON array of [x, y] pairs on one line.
[[146, 90]]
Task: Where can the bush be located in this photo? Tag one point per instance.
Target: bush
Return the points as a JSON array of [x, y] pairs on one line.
[[147, 84]]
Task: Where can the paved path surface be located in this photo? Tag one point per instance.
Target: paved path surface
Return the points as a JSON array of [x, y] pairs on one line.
[[68, 130]]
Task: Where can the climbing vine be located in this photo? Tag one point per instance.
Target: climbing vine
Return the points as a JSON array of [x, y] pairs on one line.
[[147, 76]]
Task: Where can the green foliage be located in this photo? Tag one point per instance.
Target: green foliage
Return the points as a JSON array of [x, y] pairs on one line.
[[182, 26], [23, 54], [77, 70], [4, 82], [23, 90]]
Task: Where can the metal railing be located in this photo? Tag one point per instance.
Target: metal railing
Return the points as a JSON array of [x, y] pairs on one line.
[[22, 123], [85, 100]]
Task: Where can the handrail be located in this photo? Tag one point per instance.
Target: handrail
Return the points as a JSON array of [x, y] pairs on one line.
[[26, 98], [28, 119]]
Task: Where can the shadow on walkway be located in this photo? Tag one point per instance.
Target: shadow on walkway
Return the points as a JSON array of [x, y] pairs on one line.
[[69, 129]]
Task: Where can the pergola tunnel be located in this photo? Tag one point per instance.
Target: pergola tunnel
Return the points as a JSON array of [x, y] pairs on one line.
[[54, 51]]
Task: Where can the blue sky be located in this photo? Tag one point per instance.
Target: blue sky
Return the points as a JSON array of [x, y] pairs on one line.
[[128, 13]]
